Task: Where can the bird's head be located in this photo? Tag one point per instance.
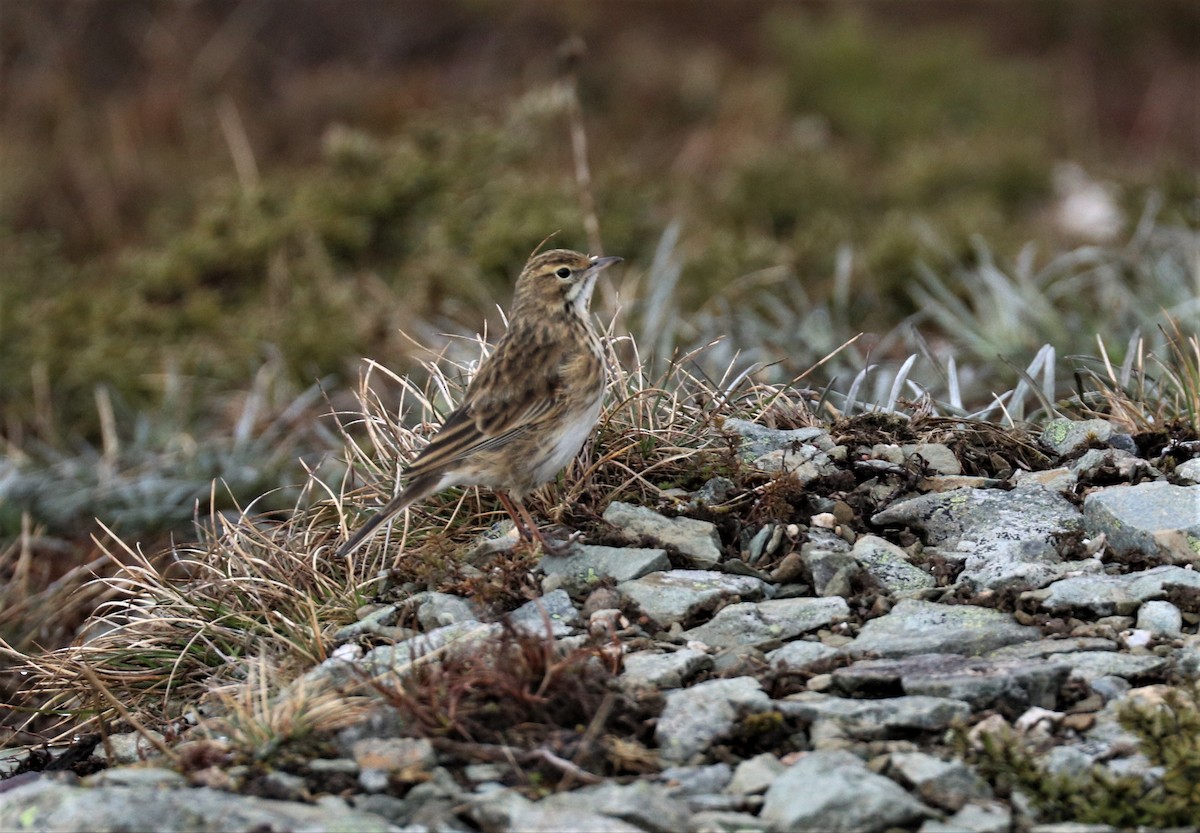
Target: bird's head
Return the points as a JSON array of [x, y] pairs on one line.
[[559, 279]]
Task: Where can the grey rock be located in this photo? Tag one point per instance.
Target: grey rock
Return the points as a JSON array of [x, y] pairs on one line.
[[551, 615], [939, 483], [136, 776], [725, 821], [1008, 537], [1073, 827], [757, 440], [1110, 687], [1159, 617], [436, 610], [1105, 595], [129, 747], [919, 627], [1155, 519], [1010, 685], [985, 817], [394, 659], [1059, 479], [834, 791], [875, 719], [677, 595], [761, 623], [805, 463], [715, 491], [889, 566], [583, 566], [696, 780], [669, 670], [558, 818], [832, 569], [695, 717], [695, 539], [49, 806], [1090, 665], [647, 805], [398, 658], [945, 784], [1067, 760], [1065, 436], [1104, 463], [754, 775], [936, 456], [283, 786], [1188, 658], [1045, 648], [799, 654], [378, 621], [1188, 473]]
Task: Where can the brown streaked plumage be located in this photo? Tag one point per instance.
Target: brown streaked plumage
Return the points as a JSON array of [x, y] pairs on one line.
[[532, 404]]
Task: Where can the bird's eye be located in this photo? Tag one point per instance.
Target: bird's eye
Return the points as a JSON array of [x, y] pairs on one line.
[[563, 272]]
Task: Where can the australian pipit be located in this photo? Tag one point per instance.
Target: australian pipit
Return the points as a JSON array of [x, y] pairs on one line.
[[532, 403]]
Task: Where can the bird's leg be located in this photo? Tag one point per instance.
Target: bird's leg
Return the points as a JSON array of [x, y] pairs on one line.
[[518, 522], [548, 547]]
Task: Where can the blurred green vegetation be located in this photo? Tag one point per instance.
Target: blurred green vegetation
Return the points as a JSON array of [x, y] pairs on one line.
[[191, 189]]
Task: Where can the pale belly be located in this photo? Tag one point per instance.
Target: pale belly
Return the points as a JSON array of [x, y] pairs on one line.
[[569, 441]]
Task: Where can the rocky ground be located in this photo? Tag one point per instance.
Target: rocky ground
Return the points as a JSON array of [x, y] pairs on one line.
[[894, 645]]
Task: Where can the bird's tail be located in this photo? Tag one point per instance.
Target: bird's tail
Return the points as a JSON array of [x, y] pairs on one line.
[[419, 488]]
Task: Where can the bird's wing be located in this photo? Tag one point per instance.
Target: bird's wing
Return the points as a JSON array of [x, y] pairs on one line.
[[513, 391]]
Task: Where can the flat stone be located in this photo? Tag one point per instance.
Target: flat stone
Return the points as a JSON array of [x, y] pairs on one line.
[[799, 654], [1112, 464], [47, 805], [436, 610], [660, 671], [1010, 685], [649, 806], [832, 569], [834, 791], [1105, 595], [805, 463], [937, 456], [130, 747], [889, 566], [754, 775], [1188, 473], [552, 615], [1045, 648], [919, 627], [945, 784], [1159, 520], [762, 623], [136, 776], [693, 718], [677, 595], [696, 780], [395, 659], [984, 817], [1091, 665], [585, 565], [757, 440], [1066, 436], [725, 821], [698, 540], [880, 718], [938, 483], [1007, 538], [1059, 479]]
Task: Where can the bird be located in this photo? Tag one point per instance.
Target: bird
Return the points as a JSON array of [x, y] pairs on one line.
[[530, 407]]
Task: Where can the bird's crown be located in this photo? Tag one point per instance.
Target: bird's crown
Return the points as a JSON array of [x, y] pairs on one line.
[[558, 275]]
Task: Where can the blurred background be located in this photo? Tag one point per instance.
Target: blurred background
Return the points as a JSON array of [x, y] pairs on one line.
[[208, 207]]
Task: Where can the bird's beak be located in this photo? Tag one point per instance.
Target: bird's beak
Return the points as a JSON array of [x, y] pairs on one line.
[[599, 263]]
